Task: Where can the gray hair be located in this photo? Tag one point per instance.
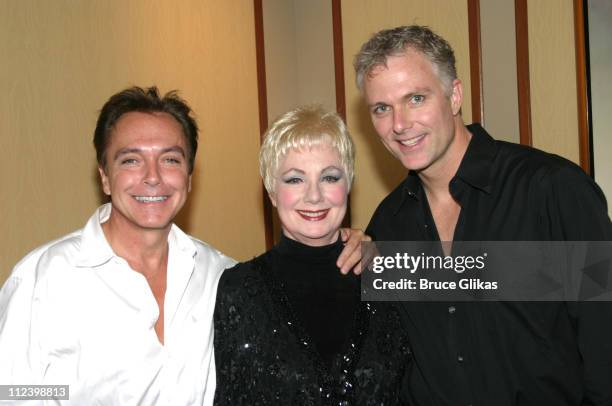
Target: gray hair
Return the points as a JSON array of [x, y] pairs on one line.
[[395, 42], [304, 127]]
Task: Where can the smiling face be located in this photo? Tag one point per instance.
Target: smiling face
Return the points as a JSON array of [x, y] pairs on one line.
[[146, 172], [413, 113], [310, 194]]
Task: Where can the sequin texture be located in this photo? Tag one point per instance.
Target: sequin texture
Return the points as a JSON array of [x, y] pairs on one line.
[[265, 357]]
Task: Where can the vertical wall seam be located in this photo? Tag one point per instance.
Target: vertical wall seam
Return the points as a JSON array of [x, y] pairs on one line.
[[475, 61], [339, 76], [582, 86], [522, 71], [263, 111]]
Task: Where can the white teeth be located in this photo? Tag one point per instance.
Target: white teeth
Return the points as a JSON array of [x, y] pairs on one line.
[[312, 213], [147, 199], [412, 141]]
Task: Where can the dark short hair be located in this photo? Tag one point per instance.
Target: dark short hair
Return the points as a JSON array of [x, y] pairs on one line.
[[395, 41], [147, 100]]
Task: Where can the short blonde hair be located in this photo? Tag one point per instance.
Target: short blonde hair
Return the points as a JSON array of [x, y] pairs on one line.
[[304, 127]]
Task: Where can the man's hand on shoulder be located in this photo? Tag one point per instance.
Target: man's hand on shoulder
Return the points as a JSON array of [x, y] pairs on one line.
[[351, 255]]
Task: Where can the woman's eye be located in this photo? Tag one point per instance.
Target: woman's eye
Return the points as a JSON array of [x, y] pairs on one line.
[[292, 181], [331, 178]]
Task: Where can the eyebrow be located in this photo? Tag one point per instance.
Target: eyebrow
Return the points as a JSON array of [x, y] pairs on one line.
[[420, 90], [331, 167], [125, 151], [292, 170]]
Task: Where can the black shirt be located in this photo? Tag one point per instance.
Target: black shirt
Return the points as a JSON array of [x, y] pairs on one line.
[[506, 353], [290, 330]]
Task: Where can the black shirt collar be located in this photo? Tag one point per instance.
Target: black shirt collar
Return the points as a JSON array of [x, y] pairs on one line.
[[475, 168]]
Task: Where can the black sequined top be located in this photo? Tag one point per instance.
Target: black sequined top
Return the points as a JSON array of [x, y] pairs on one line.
[[291, 330]]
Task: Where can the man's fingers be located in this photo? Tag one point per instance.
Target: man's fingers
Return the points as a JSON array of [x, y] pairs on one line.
[[351, 256], [368, 255], [352, 242]]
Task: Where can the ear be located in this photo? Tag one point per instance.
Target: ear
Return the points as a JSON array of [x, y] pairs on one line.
[[272, 197], [456, 97], [104, 180], [189, 185]]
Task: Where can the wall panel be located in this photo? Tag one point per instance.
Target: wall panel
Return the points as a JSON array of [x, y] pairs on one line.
[[600, 49], [554, 109], [501, 117]]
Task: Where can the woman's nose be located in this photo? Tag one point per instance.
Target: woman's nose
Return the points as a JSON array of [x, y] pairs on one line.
[[313, 194]]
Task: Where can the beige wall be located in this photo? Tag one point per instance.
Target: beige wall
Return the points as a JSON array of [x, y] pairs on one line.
[[552, 75], [377, 172], [499, 83], [281, 56], [600, 48], [62, 59], [299, 54], [315, 53]]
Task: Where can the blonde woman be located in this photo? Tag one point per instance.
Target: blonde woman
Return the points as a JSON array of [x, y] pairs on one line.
[[289, 327]]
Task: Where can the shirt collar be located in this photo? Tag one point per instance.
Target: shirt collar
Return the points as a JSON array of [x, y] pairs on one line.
[[177, 239], [95, 249], [475, 168]]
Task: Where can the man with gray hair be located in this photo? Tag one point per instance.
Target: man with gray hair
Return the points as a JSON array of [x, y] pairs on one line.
[[465, 186]]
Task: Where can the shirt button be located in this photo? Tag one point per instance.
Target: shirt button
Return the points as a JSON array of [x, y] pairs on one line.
[[451, 309], [460, 358]]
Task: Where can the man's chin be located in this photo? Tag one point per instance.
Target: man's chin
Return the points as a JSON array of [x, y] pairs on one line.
[[414, 166], [154, 224]]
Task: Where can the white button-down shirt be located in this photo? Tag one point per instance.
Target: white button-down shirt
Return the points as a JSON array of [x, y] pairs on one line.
[[74, 313]]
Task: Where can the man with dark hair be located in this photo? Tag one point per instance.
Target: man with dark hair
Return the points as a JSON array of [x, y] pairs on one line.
[[121, 310], [136, 99], [465, 186]]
